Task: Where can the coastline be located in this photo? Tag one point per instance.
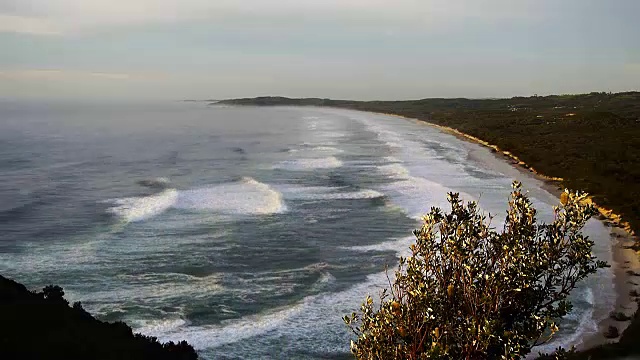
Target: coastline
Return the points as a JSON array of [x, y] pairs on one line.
[[626, 263], [610, 218]]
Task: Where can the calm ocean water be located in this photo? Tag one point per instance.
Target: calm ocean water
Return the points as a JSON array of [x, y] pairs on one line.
[[248, 232]]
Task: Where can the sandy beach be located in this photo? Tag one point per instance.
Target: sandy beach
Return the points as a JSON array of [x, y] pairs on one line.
[[626, 263]]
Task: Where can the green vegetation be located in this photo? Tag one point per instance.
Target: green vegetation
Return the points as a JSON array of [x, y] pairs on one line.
[[42, 325], [469, 292], [592, 141]]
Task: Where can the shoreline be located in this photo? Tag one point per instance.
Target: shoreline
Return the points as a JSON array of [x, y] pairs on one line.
[[625, 265], [614, 219]]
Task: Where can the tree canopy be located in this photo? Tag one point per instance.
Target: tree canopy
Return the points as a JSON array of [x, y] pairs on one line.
[[468, 291]]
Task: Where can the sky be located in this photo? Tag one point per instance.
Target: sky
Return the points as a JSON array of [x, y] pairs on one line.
[[348, 49]]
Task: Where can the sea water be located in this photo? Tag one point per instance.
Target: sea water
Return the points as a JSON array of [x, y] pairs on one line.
[[248, 232]]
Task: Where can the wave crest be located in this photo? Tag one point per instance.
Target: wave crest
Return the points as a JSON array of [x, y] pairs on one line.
[[135, 209], [244, 197], [247, 196]]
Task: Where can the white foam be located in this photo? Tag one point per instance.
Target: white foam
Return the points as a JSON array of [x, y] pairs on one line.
[[326, 193], [301, 319], [203, 337], [330, 162], [415, 195], [248, 197], [141, 208], [231, 331]]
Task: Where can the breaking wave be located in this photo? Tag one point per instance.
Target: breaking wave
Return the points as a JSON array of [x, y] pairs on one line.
[[135, 209], [415, 195], [245, 197]]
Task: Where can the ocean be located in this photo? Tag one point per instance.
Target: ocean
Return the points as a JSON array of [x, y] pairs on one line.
[[248, 232]]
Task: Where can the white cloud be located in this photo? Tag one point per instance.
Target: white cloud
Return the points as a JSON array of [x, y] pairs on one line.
[[58, 16]]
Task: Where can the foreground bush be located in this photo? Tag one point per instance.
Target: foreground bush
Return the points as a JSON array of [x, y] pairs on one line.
[[470, 292], [42, 325]]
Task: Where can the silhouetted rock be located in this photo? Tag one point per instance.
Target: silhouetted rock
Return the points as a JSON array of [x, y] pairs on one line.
[[612, 332], [42, 325]]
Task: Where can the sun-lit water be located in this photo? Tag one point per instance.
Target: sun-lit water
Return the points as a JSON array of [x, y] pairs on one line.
[[248, 232]]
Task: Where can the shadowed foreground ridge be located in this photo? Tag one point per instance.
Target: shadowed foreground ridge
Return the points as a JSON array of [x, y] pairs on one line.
[[42, 325]]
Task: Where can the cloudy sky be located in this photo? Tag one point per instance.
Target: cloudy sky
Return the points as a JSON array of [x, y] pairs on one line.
[[359, 49]]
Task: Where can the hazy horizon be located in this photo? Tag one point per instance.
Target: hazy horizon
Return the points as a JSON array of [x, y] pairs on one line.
[[349, 49]]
